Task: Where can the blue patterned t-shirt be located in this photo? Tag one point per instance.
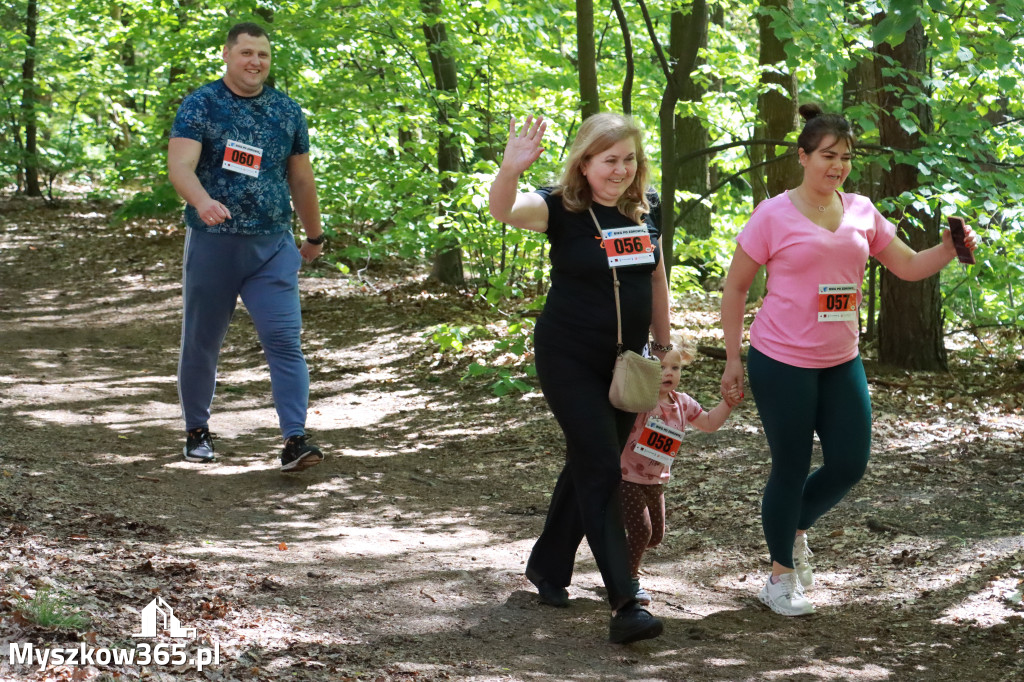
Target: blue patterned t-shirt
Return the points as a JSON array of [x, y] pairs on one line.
[[244, 162]]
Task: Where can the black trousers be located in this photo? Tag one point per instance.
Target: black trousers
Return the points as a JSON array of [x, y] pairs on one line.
[[575, 378]]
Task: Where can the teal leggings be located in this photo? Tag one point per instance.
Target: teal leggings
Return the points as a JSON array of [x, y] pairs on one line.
[[795, 403]]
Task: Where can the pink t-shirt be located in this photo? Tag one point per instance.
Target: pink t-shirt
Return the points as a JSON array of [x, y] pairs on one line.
[[637, 468], [805, 261]]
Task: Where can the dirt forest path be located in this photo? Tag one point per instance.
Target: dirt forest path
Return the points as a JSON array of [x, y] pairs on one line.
[[401, 557]]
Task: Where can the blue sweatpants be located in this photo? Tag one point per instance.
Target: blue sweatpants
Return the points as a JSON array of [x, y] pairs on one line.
[[794, 403], [264, 271]]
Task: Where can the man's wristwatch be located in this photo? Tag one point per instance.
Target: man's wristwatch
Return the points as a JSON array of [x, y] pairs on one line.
[[317, 241]]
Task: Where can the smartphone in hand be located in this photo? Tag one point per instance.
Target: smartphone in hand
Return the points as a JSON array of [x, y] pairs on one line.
[[956, 230]]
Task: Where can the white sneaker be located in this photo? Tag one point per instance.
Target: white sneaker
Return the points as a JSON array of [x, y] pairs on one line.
[[786, 597], [801, 556]]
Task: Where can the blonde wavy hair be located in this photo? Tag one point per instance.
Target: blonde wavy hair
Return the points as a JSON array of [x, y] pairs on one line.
[[597, 134], [686, 347]]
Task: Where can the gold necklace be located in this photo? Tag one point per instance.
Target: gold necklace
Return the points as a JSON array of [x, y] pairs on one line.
[[821, 209]]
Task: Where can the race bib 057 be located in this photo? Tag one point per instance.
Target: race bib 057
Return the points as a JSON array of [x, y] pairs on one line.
[[837, 302]]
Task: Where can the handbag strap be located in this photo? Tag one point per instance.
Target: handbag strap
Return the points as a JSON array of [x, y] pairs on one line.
[[615, 277]]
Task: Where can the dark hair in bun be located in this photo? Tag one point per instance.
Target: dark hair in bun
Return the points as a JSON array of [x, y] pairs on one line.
[[819, 125], [809, 111]]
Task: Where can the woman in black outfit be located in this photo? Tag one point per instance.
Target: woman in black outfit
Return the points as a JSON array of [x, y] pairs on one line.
[[575, 340]]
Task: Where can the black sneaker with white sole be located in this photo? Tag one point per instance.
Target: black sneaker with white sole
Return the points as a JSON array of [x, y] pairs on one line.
[[199, 446], [299, 454]]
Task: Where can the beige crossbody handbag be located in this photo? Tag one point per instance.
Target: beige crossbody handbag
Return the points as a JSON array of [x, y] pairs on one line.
[[636, 379]]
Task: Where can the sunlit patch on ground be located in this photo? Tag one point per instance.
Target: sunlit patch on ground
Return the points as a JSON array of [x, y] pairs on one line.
[[401, 556], [991, 605]]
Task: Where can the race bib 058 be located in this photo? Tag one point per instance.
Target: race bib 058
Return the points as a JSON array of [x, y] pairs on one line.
[[659, 441]]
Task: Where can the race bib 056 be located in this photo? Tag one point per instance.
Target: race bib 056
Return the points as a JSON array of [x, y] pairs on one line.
[[627, 246]]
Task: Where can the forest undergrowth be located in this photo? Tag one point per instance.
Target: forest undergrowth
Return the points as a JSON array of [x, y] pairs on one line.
[[401, 557]]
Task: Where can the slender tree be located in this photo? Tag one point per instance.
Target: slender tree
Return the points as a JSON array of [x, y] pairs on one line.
[[910, 319], [861, 88], [776, 117], [586, 50], [685, 39], [29, 100], [121, 135], [627, 48], [689, 35], [776, 104], [447, 266], [182, 13]]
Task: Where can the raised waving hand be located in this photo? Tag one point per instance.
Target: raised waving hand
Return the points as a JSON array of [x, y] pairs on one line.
[[524, 146], [525, 210]]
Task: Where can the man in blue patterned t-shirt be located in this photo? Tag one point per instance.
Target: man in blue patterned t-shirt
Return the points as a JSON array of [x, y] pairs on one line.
[[239, 156]]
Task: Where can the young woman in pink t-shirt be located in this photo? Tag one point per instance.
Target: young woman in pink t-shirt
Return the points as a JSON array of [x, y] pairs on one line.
[[805, 369]]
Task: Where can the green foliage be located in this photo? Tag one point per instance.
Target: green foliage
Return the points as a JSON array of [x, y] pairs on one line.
[[511, 351], [503, 364], [52, 610], [1016, 598], [448, 338], [110, 77], [503, 263], [900, 16], [505, 381], [971, 149], [160, 201]]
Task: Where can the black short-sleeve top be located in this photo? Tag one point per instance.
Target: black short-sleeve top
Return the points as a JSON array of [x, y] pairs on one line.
[[581, 300]]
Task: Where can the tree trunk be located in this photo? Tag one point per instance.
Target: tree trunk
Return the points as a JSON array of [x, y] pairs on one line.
[[448, 259], [689, 33], [910, 320], [667, 126], [586, 50], [777, 117], [686, 35], [122, 138], [759, 192], [778, 111], [627, 47], [179, 69], [28, 102], [861, 87]]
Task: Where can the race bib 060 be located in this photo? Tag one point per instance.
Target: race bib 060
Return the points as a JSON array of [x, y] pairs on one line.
[[242, 158]]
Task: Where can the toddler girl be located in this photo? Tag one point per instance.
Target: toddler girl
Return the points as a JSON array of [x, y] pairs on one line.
[[648, 456]]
